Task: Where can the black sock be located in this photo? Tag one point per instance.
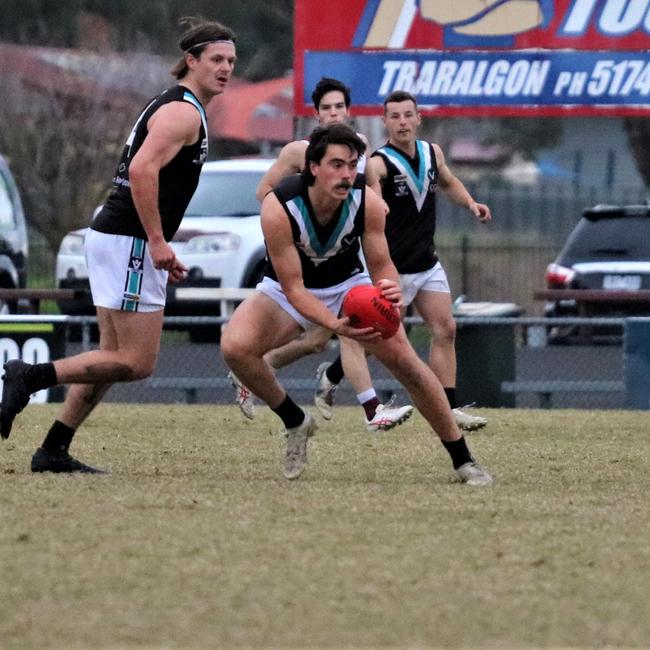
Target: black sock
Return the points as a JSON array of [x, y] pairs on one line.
[[451, 396], [334, 371], [58, 438], [458, 451], [39, 376], [290, 413], [370, 407]]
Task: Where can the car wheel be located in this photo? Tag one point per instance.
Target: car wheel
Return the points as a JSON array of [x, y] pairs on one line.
[[256, 275]]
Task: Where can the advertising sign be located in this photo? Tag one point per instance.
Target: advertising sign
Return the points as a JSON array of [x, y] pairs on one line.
[[479, 57], [33, 343]]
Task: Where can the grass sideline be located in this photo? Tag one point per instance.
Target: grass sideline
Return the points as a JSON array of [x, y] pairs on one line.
[[194, 540]]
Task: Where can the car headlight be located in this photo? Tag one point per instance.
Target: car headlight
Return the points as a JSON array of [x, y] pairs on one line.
[[214, 243], [72, 244]]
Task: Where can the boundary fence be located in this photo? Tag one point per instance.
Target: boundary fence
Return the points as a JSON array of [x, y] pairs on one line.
[[502, 362]]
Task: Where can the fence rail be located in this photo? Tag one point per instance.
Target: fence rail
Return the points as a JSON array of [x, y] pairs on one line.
[[502, 361]]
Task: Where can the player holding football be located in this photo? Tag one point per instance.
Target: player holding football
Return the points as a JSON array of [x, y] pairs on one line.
[[331, 100], [313, 226]]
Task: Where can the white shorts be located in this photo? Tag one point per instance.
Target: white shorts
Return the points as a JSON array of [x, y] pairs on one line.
[[332, 297], [433, 279], [122, 275]]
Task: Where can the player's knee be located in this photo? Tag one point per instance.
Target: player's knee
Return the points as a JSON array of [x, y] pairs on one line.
[[315, 347], [316, 340], [444, 331], [232, 350], [142, 368]]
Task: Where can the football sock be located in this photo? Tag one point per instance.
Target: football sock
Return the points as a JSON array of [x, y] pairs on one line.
[[39, 376], [368, 399], [334, 371], [370, 407], [290, 413], [58, 438], [458, 451], [451, 397]]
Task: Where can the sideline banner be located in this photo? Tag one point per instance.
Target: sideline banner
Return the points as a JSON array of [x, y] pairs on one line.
[[479, 57], [34, 343]]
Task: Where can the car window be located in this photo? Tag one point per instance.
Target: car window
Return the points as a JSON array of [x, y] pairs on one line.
[[625, 238], [7, 213], [225, 194]]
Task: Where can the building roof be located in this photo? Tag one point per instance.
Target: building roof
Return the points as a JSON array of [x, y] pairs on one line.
[[254, 111]]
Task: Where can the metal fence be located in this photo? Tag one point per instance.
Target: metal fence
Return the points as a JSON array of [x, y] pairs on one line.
[[504, 261], [522, 362]]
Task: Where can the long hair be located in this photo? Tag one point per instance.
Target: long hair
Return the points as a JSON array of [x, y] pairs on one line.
[[199, 34]]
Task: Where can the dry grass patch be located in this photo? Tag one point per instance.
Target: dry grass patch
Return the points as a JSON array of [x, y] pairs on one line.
[[195, 540]]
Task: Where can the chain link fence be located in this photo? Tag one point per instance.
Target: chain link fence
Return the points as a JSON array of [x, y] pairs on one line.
[[502, 362]]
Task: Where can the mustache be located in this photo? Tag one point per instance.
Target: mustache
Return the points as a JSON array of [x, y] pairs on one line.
[[344, 185]]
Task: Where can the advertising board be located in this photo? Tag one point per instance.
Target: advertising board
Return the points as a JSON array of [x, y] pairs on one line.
[[479, 57]]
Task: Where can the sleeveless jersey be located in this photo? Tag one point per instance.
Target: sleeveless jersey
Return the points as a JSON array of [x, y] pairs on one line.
[[409, 190], [329, 254], [176, 181]]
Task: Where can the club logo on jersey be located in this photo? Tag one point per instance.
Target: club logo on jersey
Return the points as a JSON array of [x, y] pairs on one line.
[[401, 185], [433, 180], [203, 153]]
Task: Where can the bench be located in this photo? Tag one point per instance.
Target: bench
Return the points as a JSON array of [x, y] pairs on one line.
[[191, 385], [546, 388]]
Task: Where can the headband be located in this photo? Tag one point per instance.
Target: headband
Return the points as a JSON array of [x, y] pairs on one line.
[[216, 40]]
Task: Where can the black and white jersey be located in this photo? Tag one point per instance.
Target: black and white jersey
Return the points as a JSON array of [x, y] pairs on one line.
[[329, 254], [177, 180], [409, 190]]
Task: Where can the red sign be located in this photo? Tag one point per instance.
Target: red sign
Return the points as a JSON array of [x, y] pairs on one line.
[[478, 57]]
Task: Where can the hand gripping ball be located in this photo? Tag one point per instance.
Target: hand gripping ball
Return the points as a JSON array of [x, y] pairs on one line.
[[365, 307]]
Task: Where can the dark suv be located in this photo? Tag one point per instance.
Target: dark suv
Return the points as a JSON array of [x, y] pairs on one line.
[[608, 251], [13, 234]]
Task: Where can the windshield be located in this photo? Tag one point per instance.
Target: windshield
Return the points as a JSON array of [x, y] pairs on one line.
[[618, 239], [225, 194]]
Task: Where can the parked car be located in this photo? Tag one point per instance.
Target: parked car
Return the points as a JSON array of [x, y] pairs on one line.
[[13, 236], [608, 250], [220, 241]]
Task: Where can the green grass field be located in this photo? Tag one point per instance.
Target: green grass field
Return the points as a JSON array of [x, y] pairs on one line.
[[194, 539]]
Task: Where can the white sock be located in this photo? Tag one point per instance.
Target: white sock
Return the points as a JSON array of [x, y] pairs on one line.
[[366, 395]]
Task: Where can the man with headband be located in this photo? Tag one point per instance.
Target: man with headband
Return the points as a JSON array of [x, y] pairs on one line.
[[129, 256]]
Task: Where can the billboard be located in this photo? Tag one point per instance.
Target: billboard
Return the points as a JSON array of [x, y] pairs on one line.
[[479, 57]]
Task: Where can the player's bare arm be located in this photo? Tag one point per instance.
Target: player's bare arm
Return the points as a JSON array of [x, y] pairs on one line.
[[286, 262], [455, 191], [375, 249], [379, 171], [172, 127], [372, 180], [290, 161]]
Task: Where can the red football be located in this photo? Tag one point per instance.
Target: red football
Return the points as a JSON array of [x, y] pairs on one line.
[[365, 307]]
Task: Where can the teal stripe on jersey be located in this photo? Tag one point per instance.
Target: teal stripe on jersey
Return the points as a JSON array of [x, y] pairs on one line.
[[309, 226], [345, 213], [418, 179]]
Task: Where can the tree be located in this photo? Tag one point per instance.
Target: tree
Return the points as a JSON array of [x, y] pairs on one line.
[[638, 135], [264, 29], [63, 150]]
